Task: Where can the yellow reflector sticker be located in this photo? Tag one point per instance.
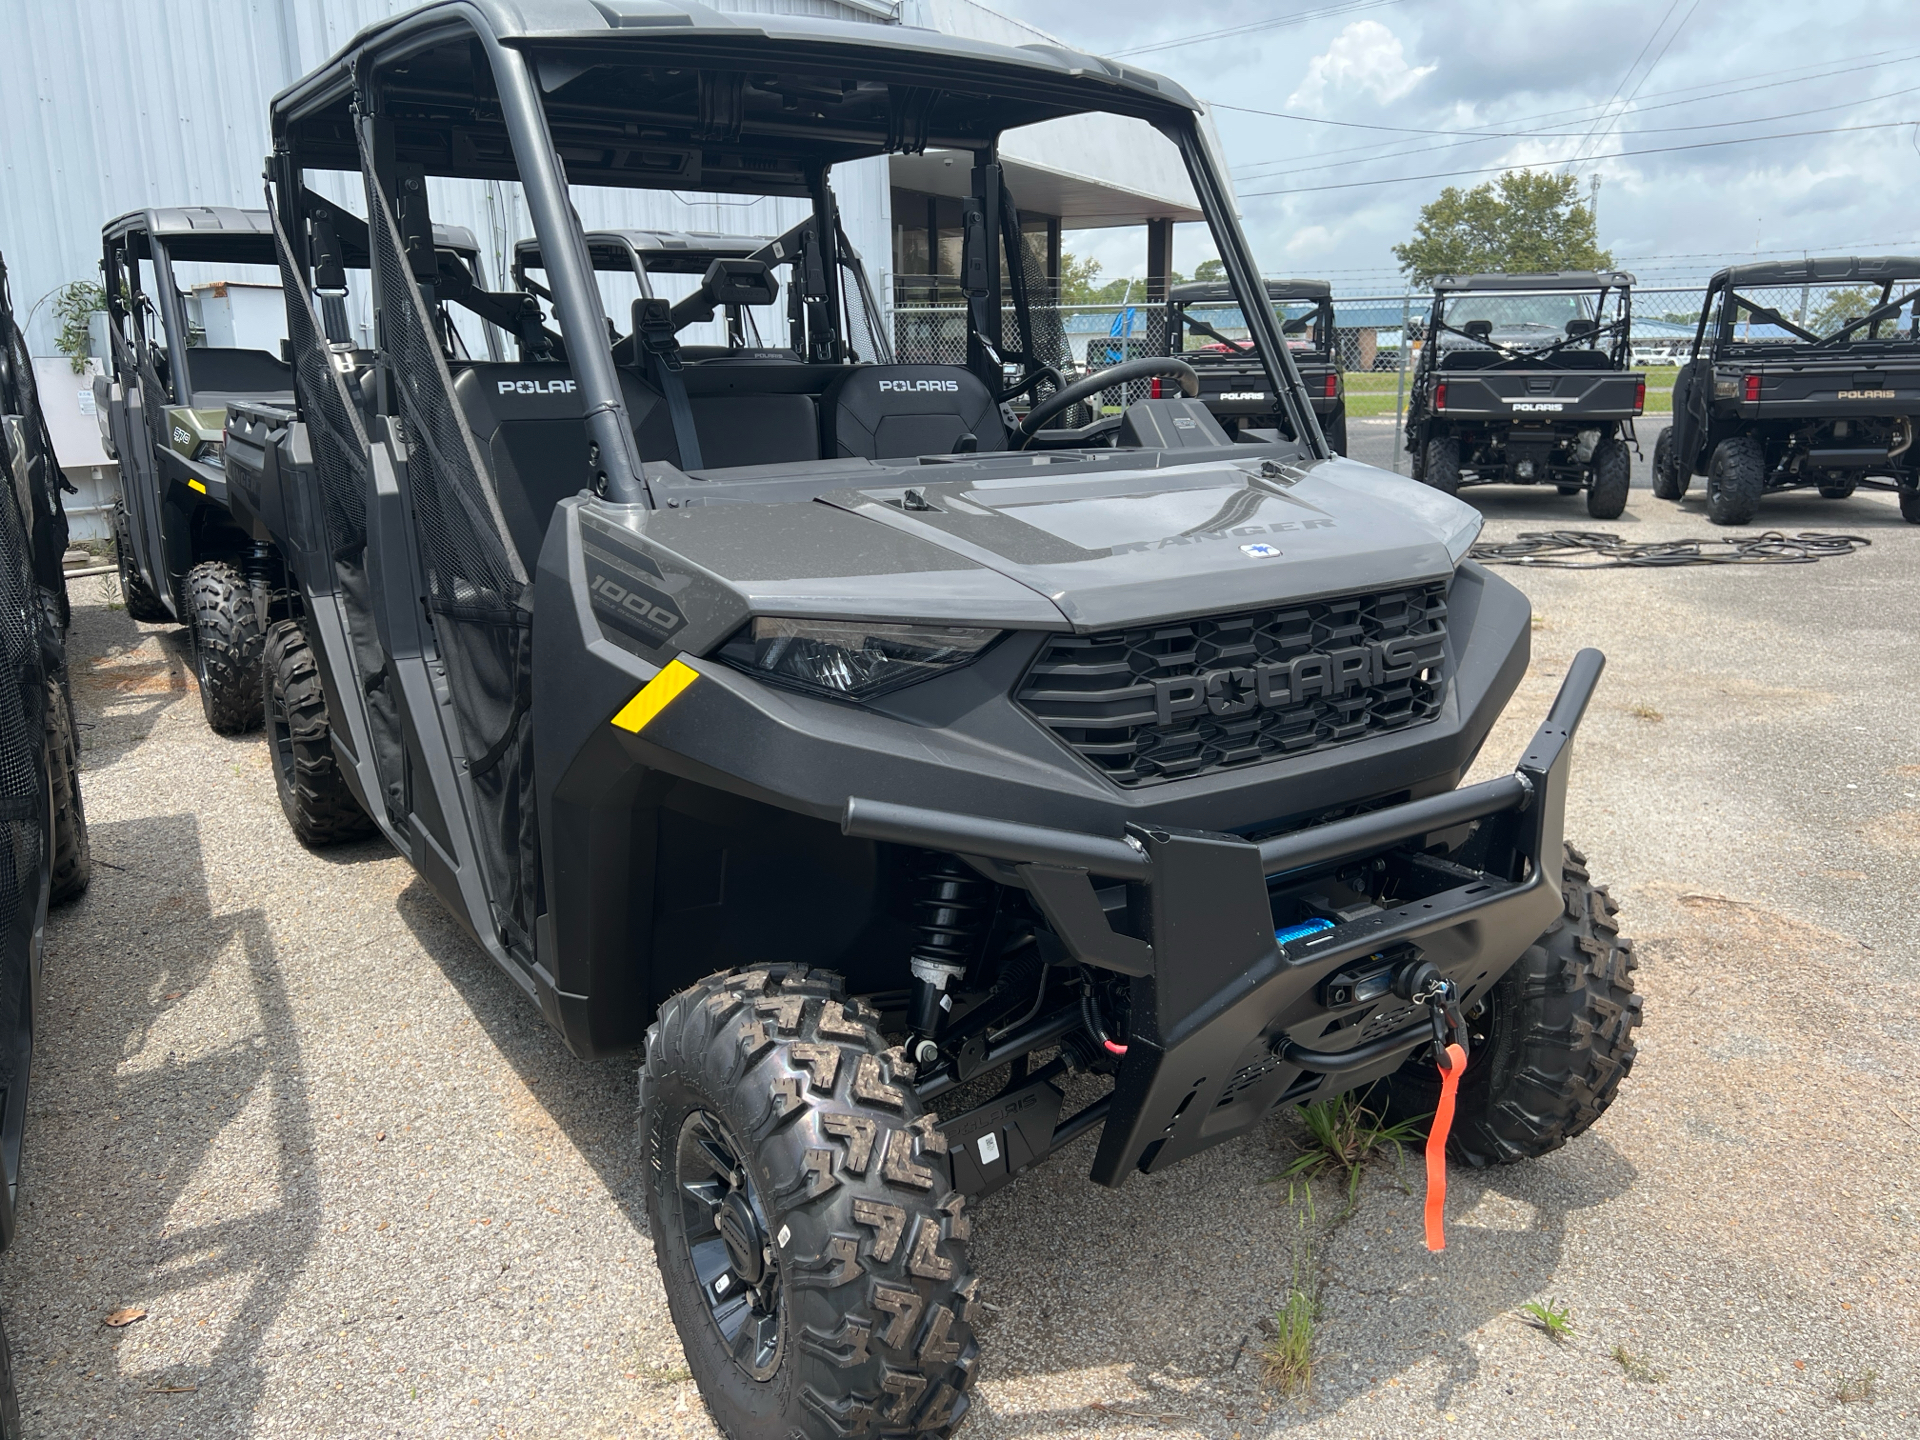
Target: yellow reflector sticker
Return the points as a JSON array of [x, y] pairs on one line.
[[655, 696], [196, 485]]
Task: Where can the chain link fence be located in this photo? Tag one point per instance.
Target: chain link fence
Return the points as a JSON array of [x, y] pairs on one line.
[[1377, 338]]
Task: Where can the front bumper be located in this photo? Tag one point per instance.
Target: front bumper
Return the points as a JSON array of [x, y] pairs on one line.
[[1227, 1021]]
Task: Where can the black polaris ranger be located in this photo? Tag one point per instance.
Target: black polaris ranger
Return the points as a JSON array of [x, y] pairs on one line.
[[1524, 380], [1804, 373], [179, 359], [44, 856], [1233, 383], [921, 749]]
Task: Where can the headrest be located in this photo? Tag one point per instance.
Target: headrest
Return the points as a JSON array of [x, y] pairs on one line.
[[727, 282], [1478, 329], [1578, 327]]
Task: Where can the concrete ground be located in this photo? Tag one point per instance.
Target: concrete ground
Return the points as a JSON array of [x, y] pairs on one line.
[[284, 1107]]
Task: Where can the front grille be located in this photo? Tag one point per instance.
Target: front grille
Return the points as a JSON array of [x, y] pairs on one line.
[[1168, 702]]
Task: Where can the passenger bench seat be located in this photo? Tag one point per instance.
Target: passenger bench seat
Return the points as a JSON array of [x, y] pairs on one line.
[[894, 412]]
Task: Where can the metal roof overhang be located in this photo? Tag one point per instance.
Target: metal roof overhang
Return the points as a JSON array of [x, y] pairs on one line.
[[1081, 203]]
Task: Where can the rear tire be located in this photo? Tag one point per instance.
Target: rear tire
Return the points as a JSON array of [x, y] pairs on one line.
[[1910, 506], [1670, 478], [142, 604], [72, 859], [1736, 480], [1442, 467], [1610, 479], [313, 792], [226, 646], [788, 1164], [1558, 1031]]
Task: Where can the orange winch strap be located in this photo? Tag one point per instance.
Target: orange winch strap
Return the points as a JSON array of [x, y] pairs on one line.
[[1437, 1148]]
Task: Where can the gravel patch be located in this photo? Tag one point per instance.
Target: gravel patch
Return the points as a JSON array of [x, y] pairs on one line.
[[286, 1107]]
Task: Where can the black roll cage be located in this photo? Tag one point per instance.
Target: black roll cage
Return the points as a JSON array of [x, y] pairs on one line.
[[356, 74], [1723, 295], [1179, 322], [1620, 328]]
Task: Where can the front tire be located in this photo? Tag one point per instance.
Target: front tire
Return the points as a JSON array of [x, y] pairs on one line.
[[72, 859], [142, 604], [1610, 479], [313, 792], [226, 646], [1442, 467], [1670, 477], [1736, 480], [812, 1250], [1558, 1038]]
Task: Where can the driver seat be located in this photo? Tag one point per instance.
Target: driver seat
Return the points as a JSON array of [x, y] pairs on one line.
[[895, 412]]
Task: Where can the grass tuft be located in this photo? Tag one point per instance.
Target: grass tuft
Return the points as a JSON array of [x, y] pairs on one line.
[[1289, 1354], [1644, 712], [1551, 1318], [1635, 1368], [1342, 1136], [1853, 1389]]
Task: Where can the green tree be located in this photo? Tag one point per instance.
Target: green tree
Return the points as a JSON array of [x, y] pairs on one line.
[[73, 308], [1210, 270], [1527, 220], [1079, 279], [1836, 308]]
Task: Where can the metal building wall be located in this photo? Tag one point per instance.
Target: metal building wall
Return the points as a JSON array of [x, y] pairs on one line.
[[108, 106]]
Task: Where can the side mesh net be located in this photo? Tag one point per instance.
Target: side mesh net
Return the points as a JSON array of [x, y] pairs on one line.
[[339, 444], [475, 583], [23, 693]]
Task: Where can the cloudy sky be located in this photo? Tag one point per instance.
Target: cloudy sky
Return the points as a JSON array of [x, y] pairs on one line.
[[1587, 81]]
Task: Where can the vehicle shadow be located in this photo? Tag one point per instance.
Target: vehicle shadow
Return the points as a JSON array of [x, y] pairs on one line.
[[593, 1102], [1790, 510], [164, 1039]]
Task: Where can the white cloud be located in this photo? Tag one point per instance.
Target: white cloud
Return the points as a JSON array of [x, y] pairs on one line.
[[1364, 56]]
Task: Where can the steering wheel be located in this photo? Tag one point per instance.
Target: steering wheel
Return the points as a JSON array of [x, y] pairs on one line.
[[1165, 366]]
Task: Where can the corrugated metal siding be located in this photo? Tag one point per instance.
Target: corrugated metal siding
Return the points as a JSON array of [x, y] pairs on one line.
[[108, 106]]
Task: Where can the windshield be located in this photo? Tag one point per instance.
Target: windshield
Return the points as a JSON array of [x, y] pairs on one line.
[[1809, 316], [1209, 329], [1529, 322]]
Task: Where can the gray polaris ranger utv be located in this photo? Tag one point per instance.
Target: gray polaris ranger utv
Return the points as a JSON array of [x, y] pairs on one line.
[[1523, 380], [918, 749], [179, 358], [1804, 373], [1233, 384]]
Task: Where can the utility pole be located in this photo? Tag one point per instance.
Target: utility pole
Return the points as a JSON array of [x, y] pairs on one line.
[[1593, 204]]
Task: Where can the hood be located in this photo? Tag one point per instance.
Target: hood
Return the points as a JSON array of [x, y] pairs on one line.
[[1118, 548]]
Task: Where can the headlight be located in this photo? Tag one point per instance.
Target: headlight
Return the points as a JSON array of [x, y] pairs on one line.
[[855, 659], [212, 452]]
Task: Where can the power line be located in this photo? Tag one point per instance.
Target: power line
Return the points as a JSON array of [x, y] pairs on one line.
[[1298, 17], [1549, 164], [1574, 134], [1719, 89], [1594, 129]]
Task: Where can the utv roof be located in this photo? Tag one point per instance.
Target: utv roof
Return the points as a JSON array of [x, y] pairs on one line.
[[807, 91], [1545, 280], [1200, 292], [222, 234], [1823, 270]]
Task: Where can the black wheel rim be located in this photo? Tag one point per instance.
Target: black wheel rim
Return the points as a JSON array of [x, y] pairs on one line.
[[724, 1229]]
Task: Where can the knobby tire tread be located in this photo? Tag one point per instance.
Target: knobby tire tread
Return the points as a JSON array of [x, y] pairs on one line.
[[314, 794], [226, 646], [1559, 1038], [878, 1292]]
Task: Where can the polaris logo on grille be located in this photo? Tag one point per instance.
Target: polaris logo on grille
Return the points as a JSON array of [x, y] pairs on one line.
[[948, 387], [1550, 405], [1291, 682], [536, 387]]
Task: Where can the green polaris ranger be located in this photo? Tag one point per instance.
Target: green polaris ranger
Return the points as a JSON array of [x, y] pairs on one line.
[[179, 357]]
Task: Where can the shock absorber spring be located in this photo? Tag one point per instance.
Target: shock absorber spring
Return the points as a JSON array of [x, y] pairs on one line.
[[953, 906], [258, 568]]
